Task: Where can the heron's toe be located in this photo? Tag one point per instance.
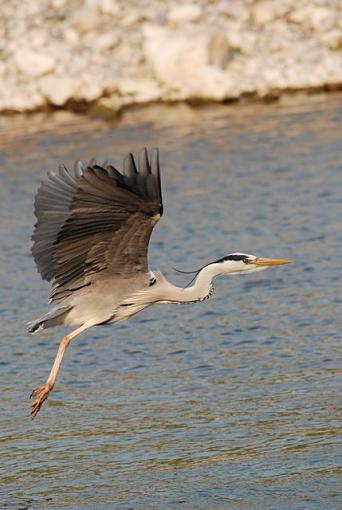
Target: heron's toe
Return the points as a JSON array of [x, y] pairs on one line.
[[40, 395]]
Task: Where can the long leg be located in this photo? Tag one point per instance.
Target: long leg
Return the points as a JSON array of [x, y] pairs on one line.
[[41, 394]]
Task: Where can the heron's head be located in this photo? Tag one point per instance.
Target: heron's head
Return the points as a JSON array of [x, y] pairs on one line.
[[238, 263]]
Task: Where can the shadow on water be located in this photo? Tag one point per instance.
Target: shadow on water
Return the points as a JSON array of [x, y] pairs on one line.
[[232, 403]]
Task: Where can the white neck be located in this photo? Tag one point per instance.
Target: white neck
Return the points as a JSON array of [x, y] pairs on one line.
[[200, 290], [163, 291]]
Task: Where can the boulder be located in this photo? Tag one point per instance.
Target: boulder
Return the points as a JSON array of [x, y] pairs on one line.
[[106, 41], [141, 89], [33, 64], [185, 12], [265, 11], [86, 19], [188, 60], [319, 19], [57, 90]]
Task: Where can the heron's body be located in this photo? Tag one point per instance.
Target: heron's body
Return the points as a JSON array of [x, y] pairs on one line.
[[91, 241], [101, 303]]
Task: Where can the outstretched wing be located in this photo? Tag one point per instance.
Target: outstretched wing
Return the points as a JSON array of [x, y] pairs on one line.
[[94, 222]]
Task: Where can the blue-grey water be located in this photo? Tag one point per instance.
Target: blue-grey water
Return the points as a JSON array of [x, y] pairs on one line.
[[234, 403]]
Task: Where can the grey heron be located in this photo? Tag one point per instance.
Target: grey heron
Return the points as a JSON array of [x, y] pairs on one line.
[[91, 240]]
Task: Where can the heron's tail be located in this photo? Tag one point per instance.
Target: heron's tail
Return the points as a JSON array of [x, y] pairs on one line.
[[49, 320]]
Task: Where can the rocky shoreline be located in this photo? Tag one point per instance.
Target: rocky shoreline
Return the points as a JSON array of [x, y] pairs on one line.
[[114, 53]]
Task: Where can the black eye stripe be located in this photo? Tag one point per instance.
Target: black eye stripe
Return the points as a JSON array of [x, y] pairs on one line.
[[235, 256]]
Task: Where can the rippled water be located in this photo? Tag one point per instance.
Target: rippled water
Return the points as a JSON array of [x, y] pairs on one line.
[[234, 403]]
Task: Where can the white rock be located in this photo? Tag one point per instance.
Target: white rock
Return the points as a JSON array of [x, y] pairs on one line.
[[38, 38], [319, 19], [185, 12], [190, 47], [129, 19], [106, 41], [90, 89], [109, 7], [265, 11], [70, 36], [323, 19], [24, 99], [58, 4], [110, 105], [86, 19], [332, 39], [33, 64], [142, 90], [244, 40], [59, 89], [236, 9], [218, 49], [189, 61]]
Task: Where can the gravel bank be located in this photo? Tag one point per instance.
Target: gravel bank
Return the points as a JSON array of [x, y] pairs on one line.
[[114, 53]]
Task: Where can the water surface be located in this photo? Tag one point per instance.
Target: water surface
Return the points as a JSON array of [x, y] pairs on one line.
[[234, 403]]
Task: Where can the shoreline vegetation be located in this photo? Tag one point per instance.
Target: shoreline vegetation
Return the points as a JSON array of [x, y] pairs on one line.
[[103, 56]]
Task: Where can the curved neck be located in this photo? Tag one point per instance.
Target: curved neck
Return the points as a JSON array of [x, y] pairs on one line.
[[200, 290]]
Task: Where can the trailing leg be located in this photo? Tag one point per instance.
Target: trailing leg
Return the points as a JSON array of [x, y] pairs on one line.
[[41, 394]]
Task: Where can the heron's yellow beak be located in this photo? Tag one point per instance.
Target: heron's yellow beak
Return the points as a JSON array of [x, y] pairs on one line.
[[270, 262]]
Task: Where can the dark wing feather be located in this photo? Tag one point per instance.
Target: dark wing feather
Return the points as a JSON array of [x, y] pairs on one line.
[[93, 222]]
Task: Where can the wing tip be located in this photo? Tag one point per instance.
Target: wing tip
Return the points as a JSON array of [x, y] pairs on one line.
[[144, 162], [155, 167], [129, 166]]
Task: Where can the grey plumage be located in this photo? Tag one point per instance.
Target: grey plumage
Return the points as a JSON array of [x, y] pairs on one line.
[[91, 241]]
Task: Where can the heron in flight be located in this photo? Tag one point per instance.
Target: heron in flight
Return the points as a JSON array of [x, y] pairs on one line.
[[91, 240]]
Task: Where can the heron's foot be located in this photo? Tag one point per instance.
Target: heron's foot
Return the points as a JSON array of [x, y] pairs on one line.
[[39, 395]]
